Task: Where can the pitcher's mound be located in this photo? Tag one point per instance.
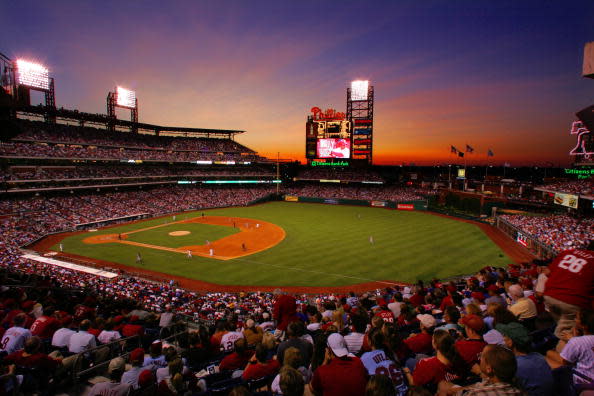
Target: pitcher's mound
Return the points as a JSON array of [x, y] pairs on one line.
[[179, 233]]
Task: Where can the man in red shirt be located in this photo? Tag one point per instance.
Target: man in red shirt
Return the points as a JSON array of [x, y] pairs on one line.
[[421, 343], [570, 286], [470, 348], [133, 328], [259, 366], [383, 311], [46, 325], [339, 374], [284, 312], [238, 359]]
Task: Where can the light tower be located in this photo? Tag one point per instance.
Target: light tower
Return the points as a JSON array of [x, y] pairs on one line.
[[124, 98]]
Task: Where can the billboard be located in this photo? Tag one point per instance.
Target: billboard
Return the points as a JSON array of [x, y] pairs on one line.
[[126, 98], [359, 90], [569, 200], [333, 148], [32, 75]]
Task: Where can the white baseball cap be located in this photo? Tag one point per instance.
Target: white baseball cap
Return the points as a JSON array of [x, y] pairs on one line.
[[338, 345], [427, 320]]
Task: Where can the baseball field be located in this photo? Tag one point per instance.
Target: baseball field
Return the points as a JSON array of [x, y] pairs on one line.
[[293, 244]]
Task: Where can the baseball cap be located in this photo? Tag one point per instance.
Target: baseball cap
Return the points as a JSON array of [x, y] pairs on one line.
[[493, 288], [426, 320], [493, 337], [116, 364], [475, 322], [137, 355], [338, 345], [145, 378], [515, 331]]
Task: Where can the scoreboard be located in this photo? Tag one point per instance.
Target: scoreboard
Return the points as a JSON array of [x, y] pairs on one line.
[[327, 135]]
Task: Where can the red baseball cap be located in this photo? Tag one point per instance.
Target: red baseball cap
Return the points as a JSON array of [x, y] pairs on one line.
[[475, 322], [137, 355]]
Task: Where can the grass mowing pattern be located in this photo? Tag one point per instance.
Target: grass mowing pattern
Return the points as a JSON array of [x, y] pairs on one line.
[[325, 245]]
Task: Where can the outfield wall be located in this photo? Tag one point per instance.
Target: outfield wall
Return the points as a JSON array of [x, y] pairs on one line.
[[531, 243], [404, 205]]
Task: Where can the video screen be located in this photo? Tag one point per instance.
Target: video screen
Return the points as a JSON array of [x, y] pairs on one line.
[[334, 148]]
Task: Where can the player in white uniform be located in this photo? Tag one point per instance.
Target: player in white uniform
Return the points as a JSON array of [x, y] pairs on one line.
[[189, 254], [15, 337], [378, 362]]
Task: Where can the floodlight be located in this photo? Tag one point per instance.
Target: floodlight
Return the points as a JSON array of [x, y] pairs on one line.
[[126, 98], [32, 74], [359, 90]]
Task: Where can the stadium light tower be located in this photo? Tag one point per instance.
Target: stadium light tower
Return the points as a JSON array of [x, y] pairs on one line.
[[27, 76], [360, 113], [123, 98]]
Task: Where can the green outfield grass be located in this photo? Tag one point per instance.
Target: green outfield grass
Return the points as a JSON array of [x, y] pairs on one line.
[[325, 245]]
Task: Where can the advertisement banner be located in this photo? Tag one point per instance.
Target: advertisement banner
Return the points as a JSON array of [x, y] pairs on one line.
[[291, 198], [568, 200], [405, 207], [380, 204]]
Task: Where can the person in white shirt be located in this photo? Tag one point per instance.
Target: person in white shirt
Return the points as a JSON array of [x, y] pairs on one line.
[[15, 337], [396, 305], [62, 336], [108, 334], [82, 340], [228, 340], [354, 340], [166, 318]]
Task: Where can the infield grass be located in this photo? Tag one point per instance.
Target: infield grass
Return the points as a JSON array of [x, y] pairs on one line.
[[325, 245]]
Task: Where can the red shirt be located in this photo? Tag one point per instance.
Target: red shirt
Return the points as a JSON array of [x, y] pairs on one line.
[[416, 299], [446, 302], [572, 278], [45, 326], [432, 371], [259, 370], [420, 343], [235, 361], [386, 315], [285, 311], [130, 330], [346, 377], [470, 350], [38, 360]]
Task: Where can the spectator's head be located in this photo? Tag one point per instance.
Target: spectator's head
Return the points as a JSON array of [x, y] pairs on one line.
[[427, 321], [146, 379], [515, 292], [443, 343], [291, 382], [261, 353], [359, 323], [295, 329], [240, 345], [19, 320], [156, 349], [585, 321], [32, 345], [498, 364], [85, 325], [451, 314], [377, 339], [292, 357], [240, 391], [473, 325], [137, 357], [380, 385], [515, 336], [337, 346], [116, 368], [473, 309]]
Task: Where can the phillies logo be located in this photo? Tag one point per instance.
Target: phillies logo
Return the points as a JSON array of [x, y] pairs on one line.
[[328, 115]]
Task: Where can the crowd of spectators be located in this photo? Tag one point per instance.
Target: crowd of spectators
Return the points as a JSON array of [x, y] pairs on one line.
[[354, 175], [500, 331], [559, 231], [580, 187], [364, 192], [44, 173]]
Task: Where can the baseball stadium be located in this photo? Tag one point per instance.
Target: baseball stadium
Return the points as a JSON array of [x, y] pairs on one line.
[[148, 259]]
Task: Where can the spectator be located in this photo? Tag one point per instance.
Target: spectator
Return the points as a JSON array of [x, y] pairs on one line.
[[285, 312], [522, 307], [113, 387], [132, 376], [238, 358], [291, 382], [533, 373], [379, 362], [470, 348], [15, 337], [82, 340], [339, 374], [260, 366]]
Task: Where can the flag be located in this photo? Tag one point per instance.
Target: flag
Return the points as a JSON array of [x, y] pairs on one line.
[[460, 154], [490, 153], [454, 150], [469, 149]]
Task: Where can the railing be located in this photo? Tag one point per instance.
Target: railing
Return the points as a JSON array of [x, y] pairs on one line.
[[536, 247]]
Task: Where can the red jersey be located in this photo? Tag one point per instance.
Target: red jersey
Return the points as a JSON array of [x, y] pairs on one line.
[[38, 360], [285, 311], [420, 343], [432, 371], [386, 315], [130, 330], [470, 350], [572, 278], [235, 361], [341, 377], [45, 326], [259, 370]]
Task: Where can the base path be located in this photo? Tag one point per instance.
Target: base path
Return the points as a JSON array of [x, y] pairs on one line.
[[254, 236]]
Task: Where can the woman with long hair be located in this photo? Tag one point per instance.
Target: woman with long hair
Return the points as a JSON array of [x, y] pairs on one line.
[[447, 365]]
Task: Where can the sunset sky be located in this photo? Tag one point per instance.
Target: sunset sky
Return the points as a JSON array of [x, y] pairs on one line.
[[504, 75]]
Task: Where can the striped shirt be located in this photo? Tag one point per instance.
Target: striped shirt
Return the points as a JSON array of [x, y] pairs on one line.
[[580, 352]]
